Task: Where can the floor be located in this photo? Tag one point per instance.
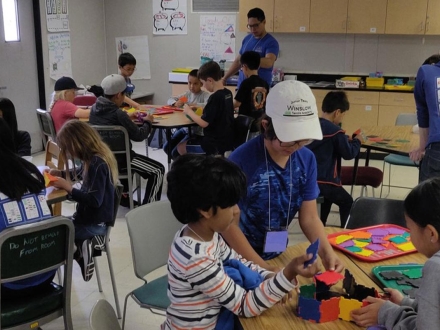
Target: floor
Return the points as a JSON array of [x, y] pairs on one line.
[[85, 294]]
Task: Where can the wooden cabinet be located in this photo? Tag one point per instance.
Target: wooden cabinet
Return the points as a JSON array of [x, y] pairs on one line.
[[391, 104], [291, 15], [319, 96], [364, 110], [245, 5], [366, 16], [328, 16], [432, 26], [406, 17]]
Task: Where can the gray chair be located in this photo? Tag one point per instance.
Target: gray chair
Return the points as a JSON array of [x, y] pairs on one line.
[[403, 119], [367, 211], [102, 244], [103, 317], [46, 125], [242, 127], [151, 228], [52, 249], [116, 137]]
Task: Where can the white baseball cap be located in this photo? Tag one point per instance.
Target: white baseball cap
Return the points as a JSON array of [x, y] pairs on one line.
[[292, 107], [113, 84]]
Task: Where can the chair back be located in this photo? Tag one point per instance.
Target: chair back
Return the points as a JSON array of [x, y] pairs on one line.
[[367, 211], [405, 119], [46, 124], [36, 248], [53, 156], [84, 100], [118, 194], [151, 228], [103, 317], [242, 126]]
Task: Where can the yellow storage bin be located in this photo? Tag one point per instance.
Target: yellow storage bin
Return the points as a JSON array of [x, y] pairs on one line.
[[375, 82], [399, 87], [350, 78]]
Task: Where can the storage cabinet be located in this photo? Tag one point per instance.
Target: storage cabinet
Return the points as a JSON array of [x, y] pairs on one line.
[[391, 104], [366, 16], [432, 26], [245, 5], [364, 110], [328, 16], [406, 17]]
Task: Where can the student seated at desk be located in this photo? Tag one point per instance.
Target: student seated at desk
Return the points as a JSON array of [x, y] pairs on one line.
[[217, 118], [203, 192], [127, 66], [422, 210], [61, 108], [194, 97], [22, 139], [106, 111], [329, 151], [251, 96], [20, 180]]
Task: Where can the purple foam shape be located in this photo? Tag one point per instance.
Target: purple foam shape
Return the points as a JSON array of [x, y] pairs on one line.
[[378, 240], [346, 244], [377, 327], [378, 232], [375, 247], [395, 231]]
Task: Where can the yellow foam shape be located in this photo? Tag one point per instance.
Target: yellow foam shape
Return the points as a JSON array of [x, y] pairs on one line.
[[346, 306], [365, 253], [405, 246], [360, 244], [342, 238], [131, 110]]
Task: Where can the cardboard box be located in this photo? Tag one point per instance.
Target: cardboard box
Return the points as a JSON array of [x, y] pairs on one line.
[[347, 83]]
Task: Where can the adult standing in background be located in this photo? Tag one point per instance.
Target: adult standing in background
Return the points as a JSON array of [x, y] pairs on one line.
[[427, 97], [258, 41]]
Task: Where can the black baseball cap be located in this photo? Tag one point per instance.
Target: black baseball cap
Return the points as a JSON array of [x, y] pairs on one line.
[[65, 83]]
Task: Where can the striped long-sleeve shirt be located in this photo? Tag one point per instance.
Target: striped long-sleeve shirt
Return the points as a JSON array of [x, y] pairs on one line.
[[199, 287]]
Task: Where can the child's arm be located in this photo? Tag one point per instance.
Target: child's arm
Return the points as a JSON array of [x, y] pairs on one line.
[[236, 103], [131, 102], [345, 148], [195, 118]]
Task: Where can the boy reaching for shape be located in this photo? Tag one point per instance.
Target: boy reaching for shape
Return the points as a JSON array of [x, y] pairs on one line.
[[203, 192]]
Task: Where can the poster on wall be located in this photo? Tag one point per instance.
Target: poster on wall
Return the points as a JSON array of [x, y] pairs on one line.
[[138, 47], [60, 63], [170, 17], [57, 15], [217, 37]]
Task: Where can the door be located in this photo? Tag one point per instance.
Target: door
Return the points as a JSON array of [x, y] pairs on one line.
[[291, 16], [406, 16], [246, 5], [366, 16], [328, 16], [18, 74]]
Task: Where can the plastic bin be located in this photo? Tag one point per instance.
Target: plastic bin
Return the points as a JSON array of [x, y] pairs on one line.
[[375, 82]]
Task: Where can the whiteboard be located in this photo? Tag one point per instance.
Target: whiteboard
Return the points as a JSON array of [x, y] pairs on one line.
[[138, 47], [60, 62]]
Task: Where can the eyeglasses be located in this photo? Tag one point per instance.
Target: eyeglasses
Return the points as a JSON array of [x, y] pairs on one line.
[[129, 70], [300, 143], [253, 26]]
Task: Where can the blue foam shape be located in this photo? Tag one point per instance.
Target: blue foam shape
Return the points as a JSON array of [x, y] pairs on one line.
[[313, 249], [308, 309]]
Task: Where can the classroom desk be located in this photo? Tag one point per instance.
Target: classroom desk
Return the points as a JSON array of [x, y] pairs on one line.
[[284, 316], [396, 134], [54, 196]]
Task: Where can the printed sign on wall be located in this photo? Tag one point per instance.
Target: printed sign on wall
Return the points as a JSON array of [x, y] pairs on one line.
[[170, 17], [60, 63], [57, 15], [217, 37]]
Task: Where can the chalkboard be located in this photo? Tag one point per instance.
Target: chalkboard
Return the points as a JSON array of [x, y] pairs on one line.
[[34, 251]]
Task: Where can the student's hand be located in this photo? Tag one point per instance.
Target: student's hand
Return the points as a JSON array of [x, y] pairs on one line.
[[296, 267], [133, 115], [53, 172], [416, 155], [332, 262], [62, 184], [187, 109], [179, 104], [359, 137], [395, 295], [149, 118], [368, 315]]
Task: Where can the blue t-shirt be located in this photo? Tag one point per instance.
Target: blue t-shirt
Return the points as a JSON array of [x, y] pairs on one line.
[[263, 46], [130, 87], [254, 218], [31, 208]]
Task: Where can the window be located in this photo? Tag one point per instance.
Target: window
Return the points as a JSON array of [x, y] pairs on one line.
[[214, 6], [10, 20]]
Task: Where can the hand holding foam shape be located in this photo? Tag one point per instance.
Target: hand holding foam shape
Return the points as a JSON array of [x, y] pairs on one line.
[[49, 179], [312, 249]]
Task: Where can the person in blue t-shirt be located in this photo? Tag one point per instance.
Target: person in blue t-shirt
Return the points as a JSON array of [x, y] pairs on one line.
[[127, 66], [329, 151], [281, 179], [21, 181], [258, 41]]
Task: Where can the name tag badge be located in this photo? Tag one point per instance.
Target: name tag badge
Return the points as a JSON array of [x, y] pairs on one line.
[[275, 241]]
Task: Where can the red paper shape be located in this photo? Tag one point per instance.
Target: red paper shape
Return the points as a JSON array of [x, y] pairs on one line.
[[330, 278]]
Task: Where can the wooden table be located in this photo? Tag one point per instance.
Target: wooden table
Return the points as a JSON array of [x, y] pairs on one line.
[[54, 196], [284, 316]]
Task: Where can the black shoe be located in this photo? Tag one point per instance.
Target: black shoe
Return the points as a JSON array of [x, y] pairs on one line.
[[86, 262], [98, 245], [125, 201]]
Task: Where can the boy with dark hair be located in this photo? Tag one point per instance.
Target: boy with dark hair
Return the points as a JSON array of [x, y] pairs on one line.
[[251, 96], [204, 192], [127, 66], [217, 118], [329, 151]]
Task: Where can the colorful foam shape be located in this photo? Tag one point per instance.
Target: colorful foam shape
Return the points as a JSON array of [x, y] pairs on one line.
[[378, 240], [307, 291], [329, 309], [409, 246], [346, 306], [361, 234], [308, 309], [378, 232], [375, 247], [354, 249], [347, 244], [312, 249], [365, 252], [396, 231], [413, 273], [391, 275], [398, 239], [49, 179], [360, 243], [329, 278], [342, 238]]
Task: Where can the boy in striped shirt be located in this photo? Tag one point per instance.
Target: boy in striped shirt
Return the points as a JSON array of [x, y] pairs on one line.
[[204, 192]]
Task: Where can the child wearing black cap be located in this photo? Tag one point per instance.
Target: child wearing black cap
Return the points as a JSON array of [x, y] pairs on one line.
[[62, 108]]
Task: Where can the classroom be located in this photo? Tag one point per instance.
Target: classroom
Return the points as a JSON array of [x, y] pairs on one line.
[[319, 41]]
